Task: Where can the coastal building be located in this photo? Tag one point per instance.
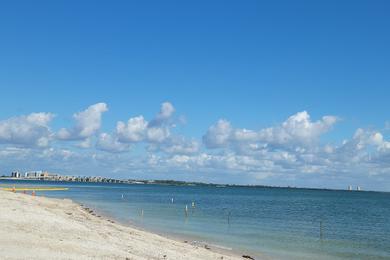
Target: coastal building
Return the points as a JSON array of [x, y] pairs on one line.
[[41, 175], [32, 174], [15, 174], [48, 176]]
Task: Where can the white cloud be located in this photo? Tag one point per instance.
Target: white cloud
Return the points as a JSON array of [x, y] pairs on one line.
[[183, 147], [299, 126], [27, 130], [218, 135], [137, 129], [157, 134], [133, 131], [87, 143], [166, 112], [88, 122], [176, 145], [109, 143], [298, 129]]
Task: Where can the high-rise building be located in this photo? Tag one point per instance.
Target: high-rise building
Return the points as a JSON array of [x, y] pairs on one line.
[[15, 174]]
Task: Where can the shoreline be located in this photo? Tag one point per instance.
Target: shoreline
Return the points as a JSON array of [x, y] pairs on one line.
[[194, 184], [178, 238], [42, 227], [187, 239]]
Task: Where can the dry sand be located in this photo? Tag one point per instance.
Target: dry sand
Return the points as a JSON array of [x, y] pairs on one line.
[[45, 228]]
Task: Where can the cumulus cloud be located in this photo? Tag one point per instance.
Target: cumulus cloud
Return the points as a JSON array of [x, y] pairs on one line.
[[137, 129], [109, 143], [132, 131], [27, 130], [87, 123], [219, 135], [166, 112], [299, 126], [156, 133], [298, 129]]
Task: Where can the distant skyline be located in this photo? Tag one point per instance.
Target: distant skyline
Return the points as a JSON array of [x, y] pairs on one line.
[[277, 93]]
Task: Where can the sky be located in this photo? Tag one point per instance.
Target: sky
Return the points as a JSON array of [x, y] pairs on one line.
[[282, 93]]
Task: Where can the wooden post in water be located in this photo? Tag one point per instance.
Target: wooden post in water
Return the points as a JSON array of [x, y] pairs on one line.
[[193, 207]]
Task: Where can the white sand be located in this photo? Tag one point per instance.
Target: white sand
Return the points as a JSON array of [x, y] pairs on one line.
[[43, 228]]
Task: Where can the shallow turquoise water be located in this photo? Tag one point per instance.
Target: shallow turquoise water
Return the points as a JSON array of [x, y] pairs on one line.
[[281, 223]]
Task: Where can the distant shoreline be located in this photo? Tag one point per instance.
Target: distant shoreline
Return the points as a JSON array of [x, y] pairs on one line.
[[185, 183]]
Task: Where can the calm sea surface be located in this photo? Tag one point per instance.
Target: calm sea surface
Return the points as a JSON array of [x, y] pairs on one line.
[[280, 223]]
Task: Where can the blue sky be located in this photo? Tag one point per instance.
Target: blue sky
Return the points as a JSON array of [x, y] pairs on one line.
[[253, 64]]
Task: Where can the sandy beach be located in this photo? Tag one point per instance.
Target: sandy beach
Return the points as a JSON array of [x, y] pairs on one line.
[[33, 227]]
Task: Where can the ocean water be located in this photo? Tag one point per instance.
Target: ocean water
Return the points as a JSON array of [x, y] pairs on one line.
[[277, 222]]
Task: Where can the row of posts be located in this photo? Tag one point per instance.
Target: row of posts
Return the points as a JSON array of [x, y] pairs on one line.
[[186, 210], [186, 213]]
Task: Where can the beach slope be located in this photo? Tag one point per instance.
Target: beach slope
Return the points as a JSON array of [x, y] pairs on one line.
[[45, 228]]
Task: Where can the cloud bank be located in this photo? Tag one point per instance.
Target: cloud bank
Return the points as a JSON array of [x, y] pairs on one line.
[[293, 152]]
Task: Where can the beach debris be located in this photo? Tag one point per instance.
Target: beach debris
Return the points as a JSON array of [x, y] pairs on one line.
[[207, 247], [248, 257]]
